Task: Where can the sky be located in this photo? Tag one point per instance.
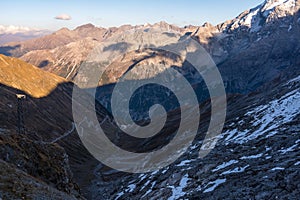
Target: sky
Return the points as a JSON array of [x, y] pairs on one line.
[[55, 14]]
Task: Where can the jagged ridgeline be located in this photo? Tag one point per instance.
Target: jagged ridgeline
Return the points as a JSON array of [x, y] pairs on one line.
[[256, 156]]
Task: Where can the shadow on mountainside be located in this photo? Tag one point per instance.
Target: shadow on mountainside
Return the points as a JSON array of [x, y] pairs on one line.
[[6, 50]]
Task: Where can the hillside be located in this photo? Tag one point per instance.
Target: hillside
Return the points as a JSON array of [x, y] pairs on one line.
[[256, 156], [50, 152], [28, 78]]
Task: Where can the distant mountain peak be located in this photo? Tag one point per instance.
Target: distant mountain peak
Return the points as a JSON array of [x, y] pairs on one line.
[[89, 25], [63, 31], [265, 12], [269, 5], [207, 24]]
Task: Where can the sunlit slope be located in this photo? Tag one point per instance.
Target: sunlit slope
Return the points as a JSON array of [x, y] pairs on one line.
[[26, 77]]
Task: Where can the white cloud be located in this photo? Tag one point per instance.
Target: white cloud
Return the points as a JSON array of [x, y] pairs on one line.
[[15, 29], [63, 17]]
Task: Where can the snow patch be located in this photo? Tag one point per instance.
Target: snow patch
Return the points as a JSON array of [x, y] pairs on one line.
[[268, 148], [214, 184], [130, 188], [178, 191], [225, 164], [230, 134], [235, 170], [297, 163], [183, 163], [270, 5], [277, 168], [251, 157], [272, 133], [292, 148], [267, 118], [147, 183], [297, 79], [250, 17], [119, 195], [150, 189]]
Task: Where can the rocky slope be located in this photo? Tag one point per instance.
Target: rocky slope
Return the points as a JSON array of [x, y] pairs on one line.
[[65, 60], [52, 52], [263, 37], [50, 156], [256, 157], [41, 164], [257, 154], [16, 184], [248, 54], [31, 169], [255, 47]]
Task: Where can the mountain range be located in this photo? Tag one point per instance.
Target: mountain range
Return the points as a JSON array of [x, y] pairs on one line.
[[257, 154]]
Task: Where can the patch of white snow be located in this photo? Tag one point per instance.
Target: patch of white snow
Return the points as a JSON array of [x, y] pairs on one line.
[[214, 184], [235, 170], [178, 191], [251, 157], [225, 164]]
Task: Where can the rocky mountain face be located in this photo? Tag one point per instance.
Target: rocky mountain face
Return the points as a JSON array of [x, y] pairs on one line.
[[250, 26], [63, 51], [256, 157], [250, 50], [257, 46], [257, 154], [64, 60], [248, 55], [263, 43], [33, 169]]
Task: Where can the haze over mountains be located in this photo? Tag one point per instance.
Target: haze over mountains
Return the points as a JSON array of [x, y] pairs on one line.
[[256, 157], [19, 33]]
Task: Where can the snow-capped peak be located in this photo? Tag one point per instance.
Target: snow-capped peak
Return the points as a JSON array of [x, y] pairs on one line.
[[270, 5], [254, 17]]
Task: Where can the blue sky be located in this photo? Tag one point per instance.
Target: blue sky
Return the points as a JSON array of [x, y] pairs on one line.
[[41, 13]]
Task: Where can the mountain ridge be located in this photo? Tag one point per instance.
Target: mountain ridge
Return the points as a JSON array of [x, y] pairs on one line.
[[256, 156], [224, 42], [14, 72]]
